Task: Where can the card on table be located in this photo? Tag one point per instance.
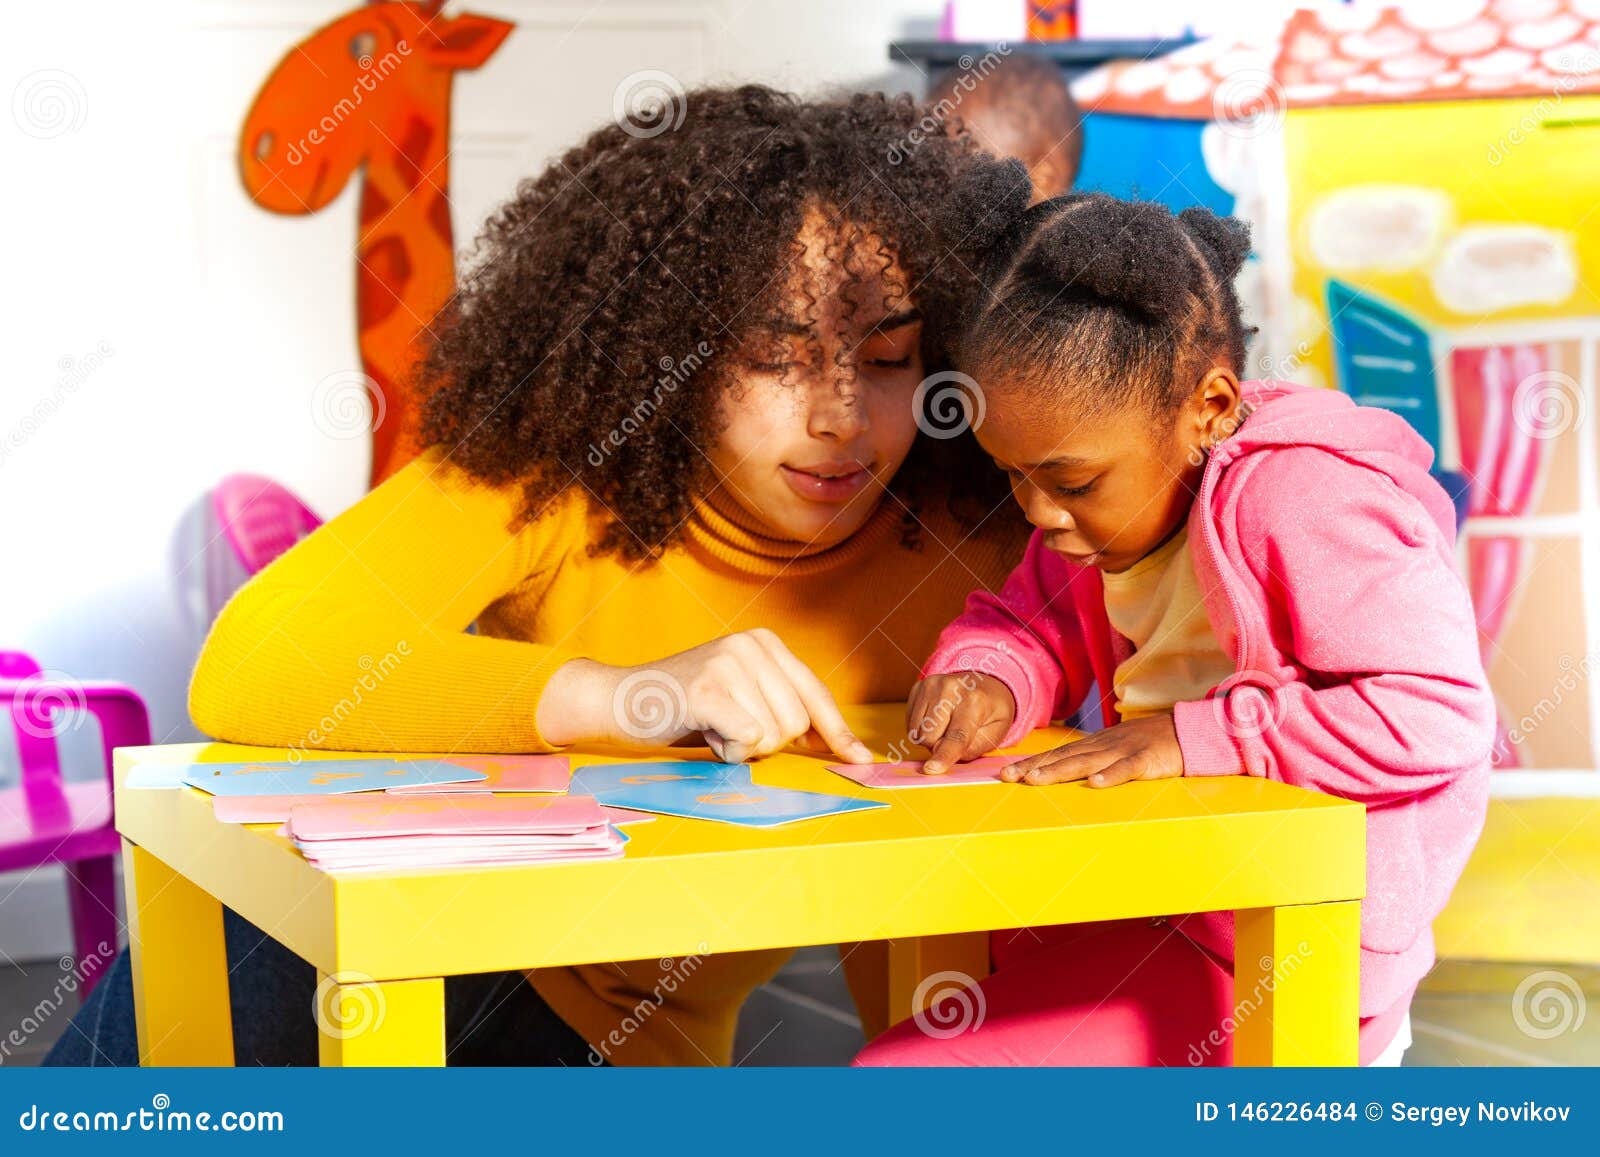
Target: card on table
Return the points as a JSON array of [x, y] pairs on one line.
[[503, 773], [386, 815], [274, 809], [602, 779], [732, 802], [156, 775], [259, 809], [389, 853], [322, 776], [908, 773]]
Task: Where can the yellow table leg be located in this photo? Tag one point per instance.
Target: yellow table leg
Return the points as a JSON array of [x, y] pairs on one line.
[[363, 1022], [924, 968], [180, 965], [1296, 984]]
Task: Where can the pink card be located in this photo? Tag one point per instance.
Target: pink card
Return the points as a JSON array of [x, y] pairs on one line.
[[386, 815], [261, 809], [506, 773], [909, 772], [618, 816]]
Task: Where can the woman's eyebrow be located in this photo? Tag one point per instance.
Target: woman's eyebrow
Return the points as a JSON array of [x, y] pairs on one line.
[[898, 320], [786, 326]]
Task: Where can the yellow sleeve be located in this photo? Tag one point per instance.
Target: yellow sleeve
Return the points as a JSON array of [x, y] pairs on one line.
[[354, 639]]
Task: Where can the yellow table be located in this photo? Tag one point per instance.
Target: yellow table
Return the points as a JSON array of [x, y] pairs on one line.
[[927, 874]]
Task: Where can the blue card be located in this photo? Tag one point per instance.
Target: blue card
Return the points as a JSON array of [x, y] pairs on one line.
[[156, 775], [602, 779], [323, 776], [731, 802]]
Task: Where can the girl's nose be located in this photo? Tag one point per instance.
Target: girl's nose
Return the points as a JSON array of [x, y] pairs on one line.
[[1043, 513]]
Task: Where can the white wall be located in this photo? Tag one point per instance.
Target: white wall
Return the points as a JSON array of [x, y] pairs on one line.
[[161, 331]]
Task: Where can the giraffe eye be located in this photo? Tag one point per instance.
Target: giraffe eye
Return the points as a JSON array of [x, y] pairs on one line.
[[362, 46]]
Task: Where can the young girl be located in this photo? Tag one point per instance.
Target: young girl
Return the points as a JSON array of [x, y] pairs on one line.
[[678, 483], [1261, 579]]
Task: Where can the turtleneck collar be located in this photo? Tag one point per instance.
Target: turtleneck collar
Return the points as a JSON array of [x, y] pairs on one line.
[[730, 536]]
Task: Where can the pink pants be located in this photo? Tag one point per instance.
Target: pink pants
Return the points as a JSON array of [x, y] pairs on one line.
[[1125, 992]]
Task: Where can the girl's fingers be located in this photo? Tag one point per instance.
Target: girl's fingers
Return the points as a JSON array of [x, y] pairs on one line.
[[1013, 773], [1068, 766], [919, 695], [818, 702], [1122, 771], [961, 738]]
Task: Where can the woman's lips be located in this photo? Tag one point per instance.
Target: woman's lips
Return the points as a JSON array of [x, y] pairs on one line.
[[834, 484]]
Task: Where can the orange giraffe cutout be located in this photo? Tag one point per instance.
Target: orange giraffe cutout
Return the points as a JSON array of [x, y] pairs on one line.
[[373, 89]]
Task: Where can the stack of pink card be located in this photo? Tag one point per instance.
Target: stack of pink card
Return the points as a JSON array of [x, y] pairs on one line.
[[380, 832]]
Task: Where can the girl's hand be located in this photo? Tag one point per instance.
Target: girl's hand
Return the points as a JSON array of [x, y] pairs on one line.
[[746, 694], [957, 717], [1138, 749]]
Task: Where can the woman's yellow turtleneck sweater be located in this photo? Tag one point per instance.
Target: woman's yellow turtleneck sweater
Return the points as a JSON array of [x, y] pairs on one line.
[[363, 626]]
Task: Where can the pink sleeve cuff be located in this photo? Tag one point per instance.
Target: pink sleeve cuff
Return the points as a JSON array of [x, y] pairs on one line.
[[1000, 665], [1203, 737]]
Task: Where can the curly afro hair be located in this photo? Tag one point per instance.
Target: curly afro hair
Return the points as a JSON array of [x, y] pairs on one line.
[[1113, 301], [640, 250]]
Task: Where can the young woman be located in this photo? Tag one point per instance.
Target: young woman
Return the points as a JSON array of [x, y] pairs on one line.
[[677, 481]]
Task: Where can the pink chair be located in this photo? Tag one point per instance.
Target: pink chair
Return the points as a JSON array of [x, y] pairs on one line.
[[45, 820], [254, 520]]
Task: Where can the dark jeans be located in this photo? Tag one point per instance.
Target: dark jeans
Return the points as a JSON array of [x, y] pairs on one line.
[[495, 1018]]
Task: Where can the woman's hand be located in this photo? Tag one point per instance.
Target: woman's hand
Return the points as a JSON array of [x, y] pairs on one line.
[[1138, 749], [957, 717], [746, 694]]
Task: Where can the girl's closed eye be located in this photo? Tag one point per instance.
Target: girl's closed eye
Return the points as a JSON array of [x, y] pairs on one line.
[[1076, 491]]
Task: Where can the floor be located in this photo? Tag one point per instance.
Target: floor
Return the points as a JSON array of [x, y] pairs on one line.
[[1464, 1014]]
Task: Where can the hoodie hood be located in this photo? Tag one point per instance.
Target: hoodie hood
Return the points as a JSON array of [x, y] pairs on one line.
[[1284, 414]]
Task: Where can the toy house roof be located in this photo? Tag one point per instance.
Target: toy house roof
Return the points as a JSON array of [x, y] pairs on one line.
[[1424, 50]]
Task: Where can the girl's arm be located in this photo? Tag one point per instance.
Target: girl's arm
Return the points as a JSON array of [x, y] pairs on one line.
[[1368, 601], [354, 639], [1027, 637]]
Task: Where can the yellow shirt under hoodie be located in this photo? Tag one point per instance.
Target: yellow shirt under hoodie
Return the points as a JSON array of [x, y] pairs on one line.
[[1156, 604], [389, 587]]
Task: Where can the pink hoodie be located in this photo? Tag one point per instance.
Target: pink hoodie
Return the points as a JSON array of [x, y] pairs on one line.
[[1327, 556]]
